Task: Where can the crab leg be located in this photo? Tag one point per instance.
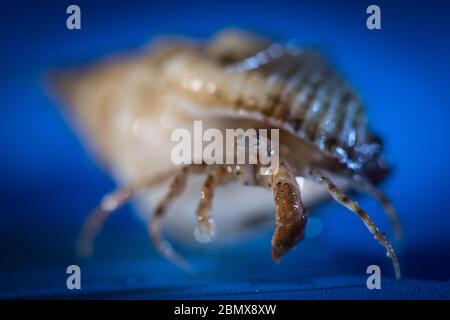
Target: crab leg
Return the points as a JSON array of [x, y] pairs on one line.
[[206, 223], [366, 186], [177, 186], [340, 197], [109, 204]]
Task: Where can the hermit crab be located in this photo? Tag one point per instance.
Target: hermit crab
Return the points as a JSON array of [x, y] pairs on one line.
[[128, 105]]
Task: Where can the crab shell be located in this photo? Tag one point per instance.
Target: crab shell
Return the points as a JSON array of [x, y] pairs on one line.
[[127, 106]]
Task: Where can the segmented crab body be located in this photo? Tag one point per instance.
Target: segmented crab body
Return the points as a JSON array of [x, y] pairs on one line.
[[129, 107]]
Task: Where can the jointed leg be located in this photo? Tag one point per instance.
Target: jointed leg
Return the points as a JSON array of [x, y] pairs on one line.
[[109, 204], [214, 178], [291, 217], [353, 206], [366, 186], [154, 225]]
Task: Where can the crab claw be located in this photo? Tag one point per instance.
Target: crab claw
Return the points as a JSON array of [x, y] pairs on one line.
[[286, 236], [290, 214]]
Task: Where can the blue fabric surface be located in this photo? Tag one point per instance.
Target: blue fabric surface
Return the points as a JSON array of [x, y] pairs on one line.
[[48, 182], [142, 281]]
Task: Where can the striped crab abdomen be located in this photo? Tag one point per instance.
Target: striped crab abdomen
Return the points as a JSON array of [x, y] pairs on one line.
[[294, 86]]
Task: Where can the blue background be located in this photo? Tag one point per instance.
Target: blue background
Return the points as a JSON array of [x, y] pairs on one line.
[[49, 183]]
